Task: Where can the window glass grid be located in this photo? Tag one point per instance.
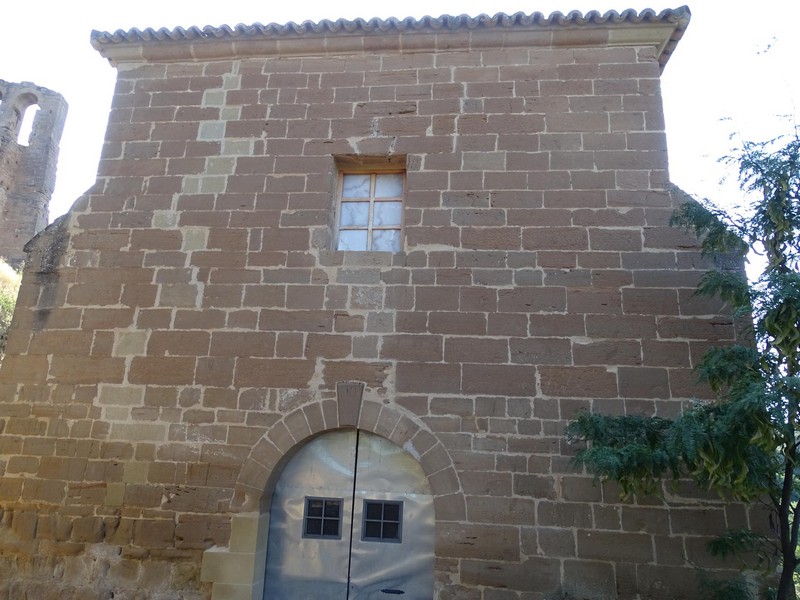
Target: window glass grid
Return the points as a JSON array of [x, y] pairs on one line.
[[382, 521], [371, 211], [323, 518]]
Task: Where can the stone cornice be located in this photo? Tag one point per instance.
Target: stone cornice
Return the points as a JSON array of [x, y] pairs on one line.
[[440, 34]]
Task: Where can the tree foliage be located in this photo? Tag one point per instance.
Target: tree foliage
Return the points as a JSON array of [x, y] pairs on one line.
[[9, 288], [744, 444], [736, 589]]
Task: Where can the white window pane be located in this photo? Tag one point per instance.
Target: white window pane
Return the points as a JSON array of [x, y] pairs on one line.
[[389, 186], [387, 213], [355, 186], [352, 240], [387, 240], [354, 214]]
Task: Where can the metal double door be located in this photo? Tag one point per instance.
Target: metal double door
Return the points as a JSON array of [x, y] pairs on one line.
[[351, 518]]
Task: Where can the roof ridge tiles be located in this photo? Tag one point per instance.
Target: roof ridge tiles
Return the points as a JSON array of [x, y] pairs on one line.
[[500, 19], [629, 27]]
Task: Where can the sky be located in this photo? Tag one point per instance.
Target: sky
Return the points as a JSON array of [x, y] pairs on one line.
[[733, 76]]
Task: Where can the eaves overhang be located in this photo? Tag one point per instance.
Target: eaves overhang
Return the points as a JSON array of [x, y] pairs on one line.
[[662, 30]]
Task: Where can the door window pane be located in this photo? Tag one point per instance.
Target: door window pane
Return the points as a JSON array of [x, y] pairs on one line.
[[373, 511], [391, 512], [313, 527], [391, 531], [330, 528], [314, 507], [372, 530]]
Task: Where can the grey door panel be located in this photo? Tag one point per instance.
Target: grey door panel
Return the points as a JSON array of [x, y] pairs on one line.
[[301, 567]]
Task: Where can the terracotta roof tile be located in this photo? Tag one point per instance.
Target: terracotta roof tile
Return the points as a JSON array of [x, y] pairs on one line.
[[678, 18]]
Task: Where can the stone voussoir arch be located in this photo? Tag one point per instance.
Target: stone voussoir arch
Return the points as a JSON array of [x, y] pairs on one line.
[[349, 409], [238, 570]]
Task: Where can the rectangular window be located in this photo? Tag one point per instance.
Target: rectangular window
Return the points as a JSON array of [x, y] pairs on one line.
[[383, 521], [370, 215], [323, 518]]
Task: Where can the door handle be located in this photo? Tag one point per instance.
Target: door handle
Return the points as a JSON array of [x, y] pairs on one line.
[[390, 591]]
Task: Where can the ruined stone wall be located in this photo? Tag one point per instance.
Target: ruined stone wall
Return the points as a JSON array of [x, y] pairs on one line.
[[27, 167], [194, 326]]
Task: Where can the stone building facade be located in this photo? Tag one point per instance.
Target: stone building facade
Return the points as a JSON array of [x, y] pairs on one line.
[[27, 166], [191, 327]]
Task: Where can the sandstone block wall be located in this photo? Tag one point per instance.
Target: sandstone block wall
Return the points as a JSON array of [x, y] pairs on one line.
[[27, 167], [188, 325]]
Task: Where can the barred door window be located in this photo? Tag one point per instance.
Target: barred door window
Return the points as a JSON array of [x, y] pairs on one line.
[[323, 518], [383, 521]]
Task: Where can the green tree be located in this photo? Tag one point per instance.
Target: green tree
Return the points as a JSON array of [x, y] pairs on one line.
[[9, 288], [744, 444]]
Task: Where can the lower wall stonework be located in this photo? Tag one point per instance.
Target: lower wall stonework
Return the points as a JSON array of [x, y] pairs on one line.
[[66, 557], [60, 557], [574, 547], [237, 572], [96, 518]]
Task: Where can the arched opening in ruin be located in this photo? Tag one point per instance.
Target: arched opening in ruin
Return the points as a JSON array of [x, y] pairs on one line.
[[18, 115], [27, 118]]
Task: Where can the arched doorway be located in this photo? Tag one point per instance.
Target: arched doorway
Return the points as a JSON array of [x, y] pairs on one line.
[[351, 518]]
